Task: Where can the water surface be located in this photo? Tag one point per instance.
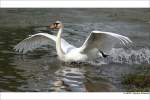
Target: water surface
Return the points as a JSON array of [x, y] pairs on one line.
[[40, 70]]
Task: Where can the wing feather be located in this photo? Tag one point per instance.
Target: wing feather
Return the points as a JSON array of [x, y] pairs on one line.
[[38, 40], [104, 41]]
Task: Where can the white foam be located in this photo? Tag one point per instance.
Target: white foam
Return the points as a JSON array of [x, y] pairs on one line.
[[120, 55]]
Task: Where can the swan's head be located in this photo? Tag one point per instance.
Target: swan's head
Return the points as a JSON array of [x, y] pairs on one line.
[[55, 26]]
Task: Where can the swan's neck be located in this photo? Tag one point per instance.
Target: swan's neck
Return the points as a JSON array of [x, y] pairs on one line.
[[59, 50]]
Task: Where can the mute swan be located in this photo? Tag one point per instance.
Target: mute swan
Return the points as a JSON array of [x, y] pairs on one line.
[[96, 43]]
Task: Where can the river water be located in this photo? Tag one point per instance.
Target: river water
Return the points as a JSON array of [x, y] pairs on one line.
[[40, 70]]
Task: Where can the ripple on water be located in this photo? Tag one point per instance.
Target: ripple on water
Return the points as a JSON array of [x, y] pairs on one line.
[[73, 78], [43, 72]]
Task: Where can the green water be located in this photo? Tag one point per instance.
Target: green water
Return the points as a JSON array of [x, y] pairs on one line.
[[40, 69]]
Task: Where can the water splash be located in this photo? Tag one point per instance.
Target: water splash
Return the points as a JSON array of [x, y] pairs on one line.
[[120, 55]]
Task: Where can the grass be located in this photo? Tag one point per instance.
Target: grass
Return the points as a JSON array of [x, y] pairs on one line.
[[138, 81]]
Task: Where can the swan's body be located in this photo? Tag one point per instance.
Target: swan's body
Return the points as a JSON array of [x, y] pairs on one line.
[[97, 40]]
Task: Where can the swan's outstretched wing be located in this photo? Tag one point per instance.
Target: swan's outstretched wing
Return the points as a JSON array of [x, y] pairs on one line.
[[104, 41], [38, 40]]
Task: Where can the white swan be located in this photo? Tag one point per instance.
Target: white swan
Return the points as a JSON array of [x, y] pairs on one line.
[[97, 42]]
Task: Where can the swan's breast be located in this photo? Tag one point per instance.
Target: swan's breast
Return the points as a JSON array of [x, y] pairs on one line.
[[75, 55]]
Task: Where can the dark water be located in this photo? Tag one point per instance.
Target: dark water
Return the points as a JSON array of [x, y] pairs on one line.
[[42, 71]]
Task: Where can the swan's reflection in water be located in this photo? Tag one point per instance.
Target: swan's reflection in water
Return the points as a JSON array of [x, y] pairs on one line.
[[47, 73], [72, 79], [77, 79]]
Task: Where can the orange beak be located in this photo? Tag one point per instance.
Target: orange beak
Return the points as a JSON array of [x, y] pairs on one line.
[[55, 26]]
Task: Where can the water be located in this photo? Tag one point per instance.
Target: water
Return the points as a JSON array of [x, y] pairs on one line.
[[40, 70]]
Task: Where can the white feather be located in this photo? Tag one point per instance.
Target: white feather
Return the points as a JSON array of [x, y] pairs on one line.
[[97, 40], [104, 41], [38, 40]]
